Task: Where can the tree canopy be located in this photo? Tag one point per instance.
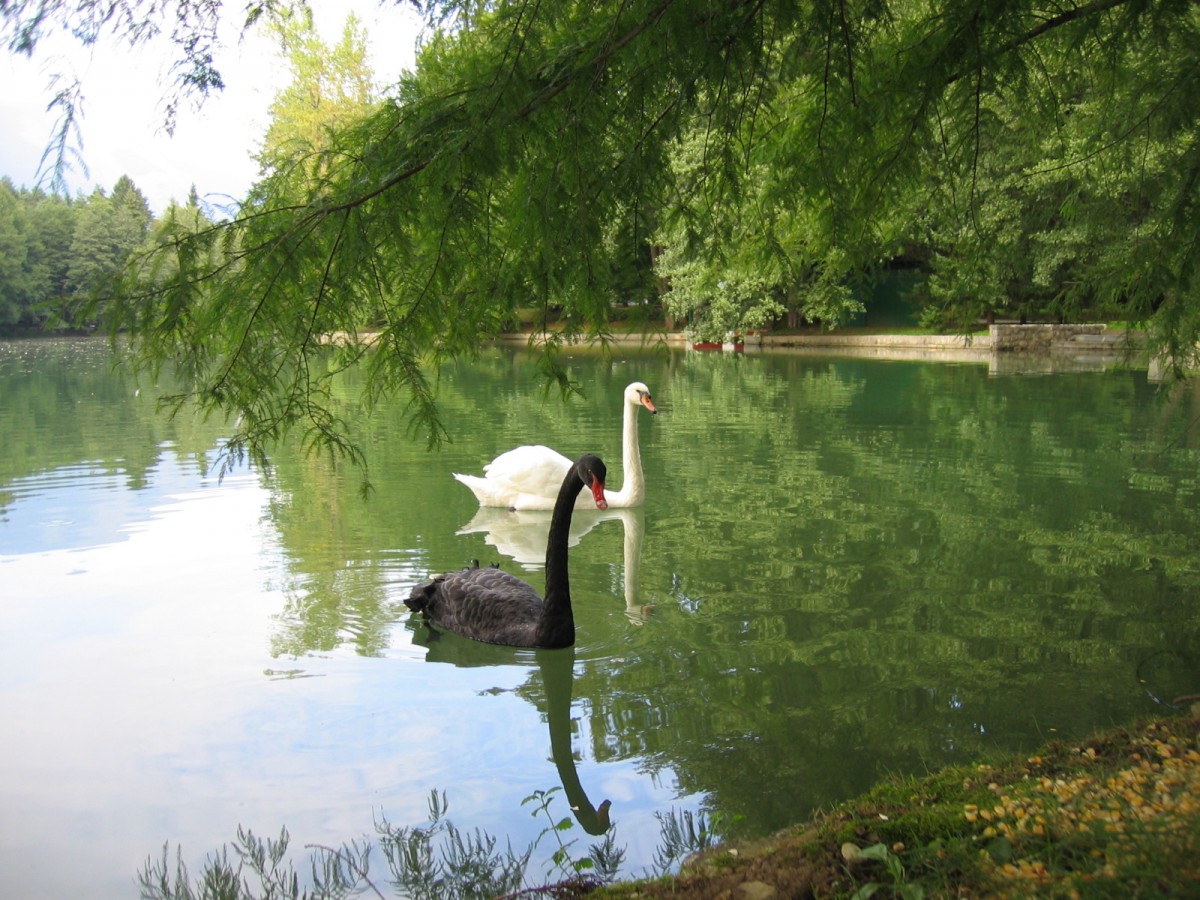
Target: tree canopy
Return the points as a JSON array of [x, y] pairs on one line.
[[1025, 156], [330, 86], [56, 251]]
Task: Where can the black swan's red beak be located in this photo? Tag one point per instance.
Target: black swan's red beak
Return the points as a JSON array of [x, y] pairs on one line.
[[598, 493]]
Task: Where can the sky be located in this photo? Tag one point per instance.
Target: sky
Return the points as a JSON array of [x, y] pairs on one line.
[[122, 127]]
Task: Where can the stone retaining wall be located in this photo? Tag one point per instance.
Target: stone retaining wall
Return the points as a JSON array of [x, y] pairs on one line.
[[1050, 338], [843, 340], [1005, 347]]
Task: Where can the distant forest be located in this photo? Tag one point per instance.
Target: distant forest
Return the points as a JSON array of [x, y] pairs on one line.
[[54, 250]]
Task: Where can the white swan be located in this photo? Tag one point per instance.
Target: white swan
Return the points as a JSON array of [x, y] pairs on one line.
[[529, 477]]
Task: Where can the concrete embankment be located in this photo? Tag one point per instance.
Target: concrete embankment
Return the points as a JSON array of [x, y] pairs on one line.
[[1005, 349]]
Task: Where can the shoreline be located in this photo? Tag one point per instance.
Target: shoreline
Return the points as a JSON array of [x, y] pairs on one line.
[[1114, 812], [1005, 349]]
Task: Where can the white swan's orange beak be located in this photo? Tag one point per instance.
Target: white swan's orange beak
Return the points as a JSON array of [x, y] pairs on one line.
[[648, 403], [598, 493]]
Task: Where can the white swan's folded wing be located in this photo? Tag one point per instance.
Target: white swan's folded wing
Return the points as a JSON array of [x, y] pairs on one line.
[[532, 469], [523, 478]]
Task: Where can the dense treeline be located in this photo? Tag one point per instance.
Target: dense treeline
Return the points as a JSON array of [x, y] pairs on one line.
[[744, 162], [1028, 161], [55, 250]]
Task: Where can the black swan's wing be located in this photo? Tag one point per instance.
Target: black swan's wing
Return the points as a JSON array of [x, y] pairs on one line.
[[481, 604]]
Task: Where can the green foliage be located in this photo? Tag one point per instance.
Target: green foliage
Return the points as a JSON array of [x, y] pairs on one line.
[[899, 887], [769, 154], [1035, 168], [604, 858], [51, 227], [1064, 199], [54, 251], [107, 231], [13, 258], [330, 87]]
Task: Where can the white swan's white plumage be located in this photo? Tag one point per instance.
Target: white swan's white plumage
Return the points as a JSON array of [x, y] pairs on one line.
[[529, 477]]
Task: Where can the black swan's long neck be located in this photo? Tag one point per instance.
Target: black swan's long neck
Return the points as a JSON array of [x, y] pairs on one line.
[[556, 626]]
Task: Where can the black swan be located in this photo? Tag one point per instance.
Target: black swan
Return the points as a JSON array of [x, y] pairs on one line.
[[493, 606]]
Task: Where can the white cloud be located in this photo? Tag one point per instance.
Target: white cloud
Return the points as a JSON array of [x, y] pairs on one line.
[[123, 112]]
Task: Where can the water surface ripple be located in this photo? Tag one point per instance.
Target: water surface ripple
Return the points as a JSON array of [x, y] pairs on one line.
[[844, 568]]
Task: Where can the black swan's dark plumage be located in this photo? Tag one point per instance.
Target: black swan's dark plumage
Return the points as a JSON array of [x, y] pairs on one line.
[[491, 605]]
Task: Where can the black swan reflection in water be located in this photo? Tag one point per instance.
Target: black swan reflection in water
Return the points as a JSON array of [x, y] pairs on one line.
[[492, 606], [557, 671]]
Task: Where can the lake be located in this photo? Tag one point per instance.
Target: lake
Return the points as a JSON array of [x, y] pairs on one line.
[[844, 569]]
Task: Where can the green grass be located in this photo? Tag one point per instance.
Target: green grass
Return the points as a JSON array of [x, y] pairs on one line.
[[1115, 816]]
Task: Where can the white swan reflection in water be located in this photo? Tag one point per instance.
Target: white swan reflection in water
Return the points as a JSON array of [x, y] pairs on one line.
[[521, 536]]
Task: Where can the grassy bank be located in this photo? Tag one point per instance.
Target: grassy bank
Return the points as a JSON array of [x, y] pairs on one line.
[[1117, 815]]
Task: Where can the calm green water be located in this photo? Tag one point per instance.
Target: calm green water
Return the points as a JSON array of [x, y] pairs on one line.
[[844, 568]]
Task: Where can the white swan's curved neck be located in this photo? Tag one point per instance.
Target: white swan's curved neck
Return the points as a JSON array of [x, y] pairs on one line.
[[633, 488]]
